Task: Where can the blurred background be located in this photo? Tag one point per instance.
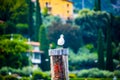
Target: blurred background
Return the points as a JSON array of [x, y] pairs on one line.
[[29, 28]]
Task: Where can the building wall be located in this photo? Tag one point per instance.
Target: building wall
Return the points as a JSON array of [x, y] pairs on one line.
[[62, 8], [35, 57]]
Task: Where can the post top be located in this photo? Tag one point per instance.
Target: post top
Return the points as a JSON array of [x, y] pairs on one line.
[[59, 51]]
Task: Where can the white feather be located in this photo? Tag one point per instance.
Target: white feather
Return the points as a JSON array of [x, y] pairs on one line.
[[61, 40]]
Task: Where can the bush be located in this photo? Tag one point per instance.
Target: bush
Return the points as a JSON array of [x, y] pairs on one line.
[[10, 77], [25, 78], [117, 73], [94, 73], [4, 71], [1, 77], [107, 74], [25, 71], [83, 73], [39, 75], [92, 79], [82, 60], [72, 75]]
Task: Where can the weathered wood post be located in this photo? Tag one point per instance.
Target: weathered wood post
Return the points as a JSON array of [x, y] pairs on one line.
[[59, 63]]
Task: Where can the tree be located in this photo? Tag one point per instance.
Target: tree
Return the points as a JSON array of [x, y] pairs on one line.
[[72, 35], [97, 6], [22, 29], [13, 10], [101, 63], [48, 20], [109, 55], [114, 4], [12, 13], [89, 22], [30, 19], [3, 26], [116, 30], [38, 20], [7, 27], [44, 46], [10, 53]]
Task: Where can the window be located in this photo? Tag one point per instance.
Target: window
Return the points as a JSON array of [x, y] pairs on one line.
[[36, 48], [67, 11], [36, 55], [47, 4], [49, 10], [67, 5]]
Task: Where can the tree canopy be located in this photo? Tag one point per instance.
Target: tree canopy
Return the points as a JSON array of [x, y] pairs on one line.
[[11, 53], [71, 34], [13, 10], [44, 46], [89, 22]]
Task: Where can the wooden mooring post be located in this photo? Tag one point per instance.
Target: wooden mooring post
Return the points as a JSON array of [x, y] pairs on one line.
[[59, 64]]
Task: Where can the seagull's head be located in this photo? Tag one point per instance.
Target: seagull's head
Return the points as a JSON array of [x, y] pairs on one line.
[[62, 35]]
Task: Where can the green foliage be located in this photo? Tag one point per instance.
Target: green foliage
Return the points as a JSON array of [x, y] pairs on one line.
[[39, 75], [16, 37], [38, 21], [10, 77], [109, 55], [97, 6], [12, 46], [90, 21], [100, 49], [1, 77], [53, 45], [12, 49], [82, 60], [117, 73], [90, 47], [72, 75], [4, 71], [3, 28], [22, 28], [83, 73], [115, 29], [13, 10], [44, 46], [43, 39], [45, 12], [71, 35], [94, 73], [30, 19], [25, 71], [48, 20], [91, 79], [25, 78], [9, 27]]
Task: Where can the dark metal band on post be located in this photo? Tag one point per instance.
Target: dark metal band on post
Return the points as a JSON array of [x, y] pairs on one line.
[[59, 51]]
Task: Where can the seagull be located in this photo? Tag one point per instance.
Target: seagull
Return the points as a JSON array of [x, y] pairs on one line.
[[61, 40]]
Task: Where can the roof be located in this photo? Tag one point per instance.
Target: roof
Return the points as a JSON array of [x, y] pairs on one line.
[[34, 43], [35, 51]]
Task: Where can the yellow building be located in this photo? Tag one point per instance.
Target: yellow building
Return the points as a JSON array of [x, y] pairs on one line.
[[62, 8]]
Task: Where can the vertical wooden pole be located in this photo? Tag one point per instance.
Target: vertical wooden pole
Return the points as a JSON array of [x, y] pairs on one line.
[[59, 64]]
